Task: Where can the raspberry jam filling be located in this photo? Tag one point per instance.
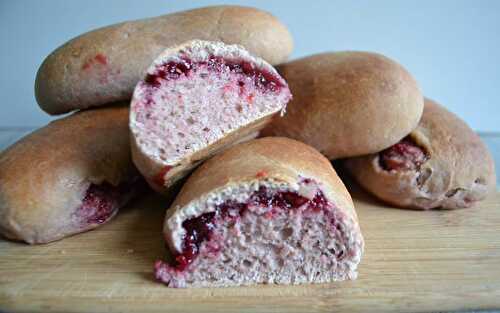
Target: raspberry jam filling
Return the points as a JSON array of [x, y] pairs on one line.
[[199, 229], [101, 201], [172, 70], [405, 155]]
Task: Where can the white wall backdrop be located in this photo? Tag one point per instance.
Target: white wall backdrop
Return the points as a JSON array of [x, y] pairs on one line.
[[452, 47]]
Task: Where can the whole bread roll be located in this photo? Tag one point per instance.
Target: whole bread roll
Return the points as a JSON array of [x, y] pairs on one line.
[[104, 65], [67, 177], [348, 103], [271, 210], [197, 99], [441, 164]]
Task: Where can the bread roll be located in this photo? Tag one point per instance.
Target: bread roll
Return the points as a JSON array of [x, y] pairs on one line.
[[270, 210], [441, 164], [67, 177], [195, 100], [348, 103], [104, 65]]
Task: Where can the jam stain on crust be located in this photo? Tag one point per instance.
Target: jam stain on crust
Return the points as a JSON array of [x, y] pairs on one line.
[[406, 155], [101, 59], [98, 66], [172, 70], [159, 179], [261, 174], [97, 59]]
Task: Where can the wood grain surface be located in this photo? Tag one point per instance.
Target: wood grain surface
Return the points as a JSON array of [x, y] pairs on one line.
[[414, 261]]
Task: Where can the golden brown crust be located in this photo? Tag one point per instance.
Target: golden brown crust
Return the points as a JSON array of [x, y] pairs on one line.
[[348, 103], [104, 65], [272, 157], [459, 170], [44, 175]]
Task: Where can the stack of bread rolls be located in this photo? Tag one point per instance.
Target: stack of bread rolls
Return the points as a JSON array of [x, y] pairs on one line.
[[183, 98]]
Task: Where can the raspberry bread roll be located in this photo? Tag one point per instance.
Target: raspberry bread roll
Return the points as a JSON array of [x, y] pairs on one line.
[[271, 210], [67, 177], [441, 164], [197, 99], [348, 103], [105, 64]]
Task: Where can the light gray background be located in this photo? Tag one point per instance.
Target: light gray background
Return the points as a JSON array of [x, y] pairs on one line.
[[452, 47]]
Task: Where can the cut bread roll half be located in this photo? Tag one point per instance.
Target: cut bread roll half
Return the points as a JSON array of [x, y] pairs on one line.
[[67, 177], [270, 210], [441, 164], [197, 99]]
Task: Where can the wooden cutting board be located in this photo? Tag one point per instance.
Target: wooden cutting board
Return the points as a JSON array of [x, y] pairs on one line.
[[414, 261]]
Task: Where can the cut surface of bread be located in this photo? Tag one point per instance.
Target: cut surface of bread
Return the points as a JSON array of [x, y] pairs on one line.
[[197, 99], [271, 210]]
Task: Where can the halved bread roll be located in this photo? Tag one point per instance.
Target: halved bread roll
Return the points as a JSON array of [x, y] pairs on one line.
[[270, 210], [348, 103], [441, 164], [67, 177], [198, 99]]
